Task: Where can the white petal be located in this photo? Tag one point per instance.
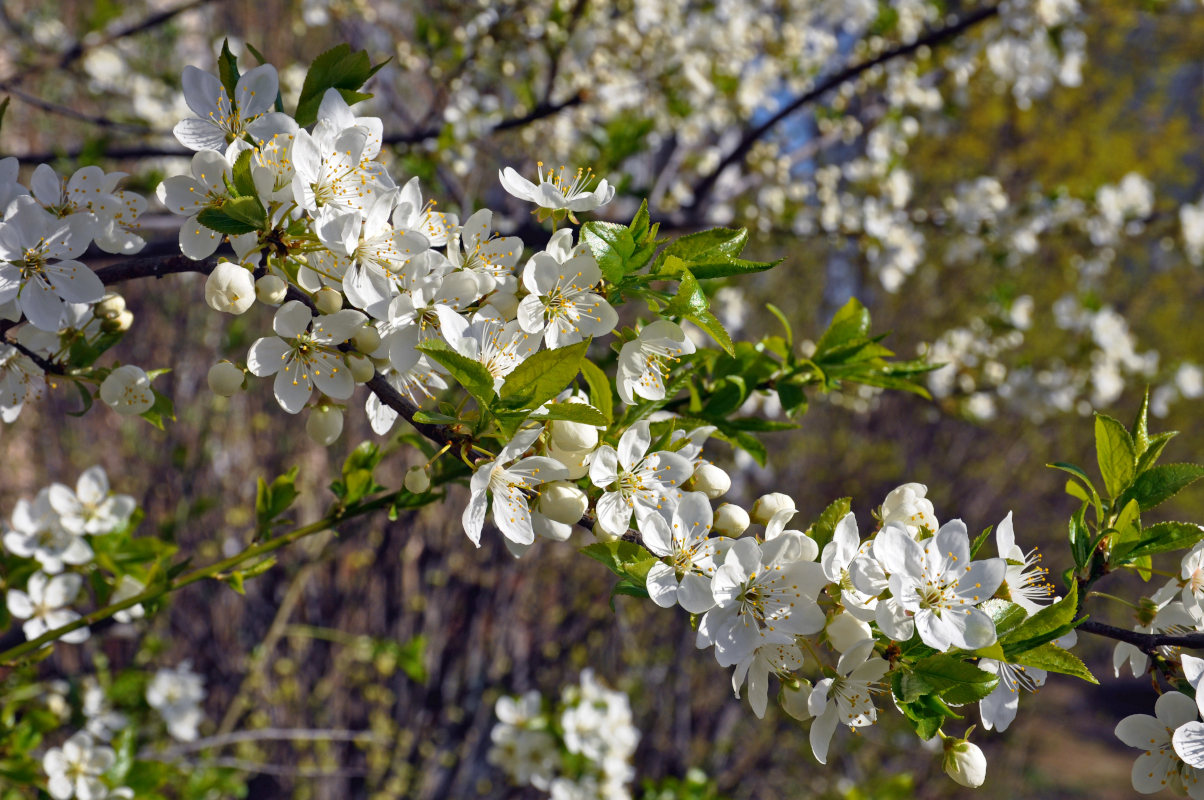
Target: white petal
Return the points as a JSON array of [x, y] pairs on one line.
[[662, 585], [267, 356]]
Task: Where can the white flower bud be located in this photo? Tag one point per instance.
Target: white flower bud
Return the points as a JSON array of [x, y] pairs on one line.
[[909, 506], [324, 425], [225, 379], [505, 302], [109, 306], [601, 535], [844, 630], [366, 339], [573, 460], [328, 300], [271, 290], [561, 501], [768, 505], [795, 698], [118, 323], [417, 480], [127, 391], [362, 368], [711, 481], [964, 762], [730, 520], [229, 288]]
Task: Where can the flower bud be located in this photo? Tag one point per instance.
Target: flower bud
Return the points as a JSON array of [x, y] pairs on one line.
[[119, 323], [328, 300], [601, 535], [225, 379], [366, 340], [844, 630], [573, 460], [795, 695], [964, 762], [711, 481], [417, 480], [271, 290], [561, 501], [768, 505], [127, 391], [324, 425], [909, 506], [730, 520], [573, 437], [229, 288], [109, 306], [362, 368], [505, 302]]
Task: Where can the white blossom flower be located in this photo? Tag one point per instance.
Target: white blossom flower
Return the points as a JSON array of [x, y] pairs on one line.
[[640, 481], [230, 288], [221, 119], [75, 769], [559, 189], [909, 506], [998, 709], [102, 721], [770, 657], [413, 214], [838, 558], [44, 605], [509, 482], [940, 586], [646, 360], [127, 390], [177, 694], [189, 196], [692, 553], [20, 380], [1160, 767], [562, 306], [489, 259], [846, 698], [328, 172], [91, 508], [498, 345], [305, 353], [38, 266], [38, 532], [764, 593]]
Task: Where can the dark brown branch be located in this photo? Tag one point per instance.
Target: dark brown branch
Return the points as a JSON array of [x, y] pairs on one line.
[[706, 185], [413, 137], [1145, 642]]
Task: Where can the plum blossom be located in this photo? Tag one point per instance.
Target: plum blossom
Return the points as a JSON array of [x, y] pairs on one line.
[[559, 189], [44, 605], [221, 119], [509, 481], [845, 698], [692, 553], [38, 266], [646, 360], [640, 481], [75, 769], [38, 532], [177, 694], [304, 353], [562, 306], [1160, 766]]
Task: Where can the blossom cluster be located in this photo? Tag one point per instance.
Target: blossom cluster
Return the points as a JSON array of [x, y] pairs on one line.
[[536, 746]]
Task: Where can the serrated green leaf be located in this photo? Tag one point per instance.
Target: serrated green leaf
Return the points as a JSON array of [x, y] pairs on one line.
[[1046, 625], [613, 248], [1161, 483], [824, 527], [1005, 614], [600, 389], [227, 70], [1154, 450], [247, 210], [241, 174], [689, 299], [1082, 476], [572, 412], [217, 220], [1141, 430], [337, 68], [956, 681], [851, 322], [925, 716], [543, 376], [1115, 453], [1052, 658], [272, 500], [711, 324], [1160, 538], [623, 558], [470, 374]]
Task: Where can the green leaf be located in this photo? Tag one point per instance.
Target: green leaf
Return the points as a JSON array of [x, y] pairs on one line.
[[161, 411], [357, 480], [124, 745], [1141, 430], [1052, 658], [851, 322], [690, 298], [957, 682], [614, 248], [1006, 614], [1154, 450], [1159, 538], [623, 558], [1115, 452], [1046, 625], [217, 220], [1163, 482], [273, 500], [925, 715], [601, 393], [711, 324], [572, 412], [1127, 526], [470, 374], [824, 528], [247, 210], [227, 70], [1087, 485], [244, 184], [543, 376], [337, 68]]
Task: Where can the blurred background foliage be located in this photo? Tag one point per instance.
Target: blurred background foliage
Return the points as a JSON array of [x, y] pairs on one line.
[[326, 639]]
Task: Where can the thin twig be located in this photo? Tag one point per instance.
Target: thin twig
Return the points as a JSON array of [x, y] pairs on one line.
[[1145, 642]]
